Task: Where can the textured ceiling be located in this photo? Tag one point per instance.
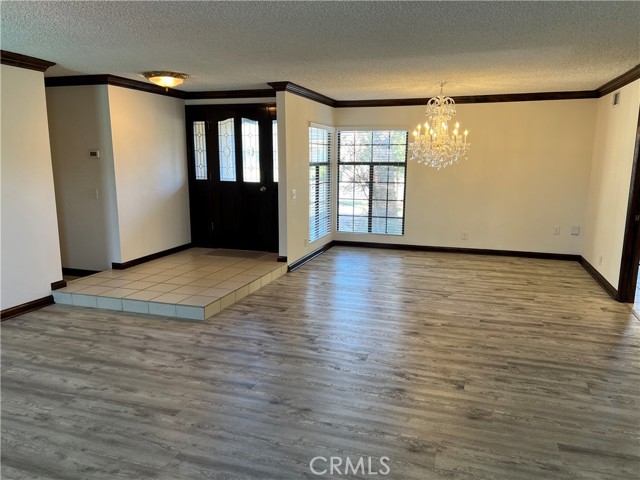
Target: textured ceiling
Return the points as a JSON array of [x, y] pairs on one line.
[[346, 50]]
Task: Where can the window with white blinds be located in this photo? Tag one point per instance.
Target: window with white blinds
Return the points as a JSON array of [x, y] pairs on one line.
[[319, 183], [371, 181]]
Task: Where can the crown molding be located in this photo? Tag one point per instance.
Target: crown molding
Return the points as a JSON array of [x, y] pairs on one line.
[[218, 94], [19, 60], [24, 61], [625, 79], [79, 80], [302, 92], [509, 97]]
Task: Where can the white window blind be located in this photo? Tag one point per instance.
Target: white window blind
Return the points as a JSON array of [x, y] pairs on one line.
[[319, 183]]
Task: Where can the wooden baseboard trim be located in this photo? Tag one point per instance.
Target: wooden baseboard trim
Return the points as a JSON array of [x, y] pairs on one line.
[[301, 261], [281, 259], [26, 307], [472, 251], [78, 272], [148, 258], [58, 285], [597, 276]]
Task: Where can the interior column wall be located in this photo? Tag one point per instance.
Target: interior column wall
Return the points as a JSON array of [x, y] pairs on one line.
[[611, 169], [149, 151], [30, 250], [79, 121], [295, 114]]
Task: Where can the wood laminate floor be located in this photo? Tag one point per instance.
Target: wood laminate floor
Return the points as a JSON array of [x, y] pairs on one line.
[[452, 366]]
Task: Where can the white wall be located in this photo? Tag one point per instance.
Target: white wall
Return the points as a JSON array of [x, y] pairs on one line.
[[295, 113], [149, 151], [29, 240], [527, 172], [85, 187], [613, 147]]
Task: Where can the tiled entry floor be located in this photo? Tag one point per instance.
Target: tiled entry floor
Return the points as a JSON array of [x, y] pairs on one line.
[[194, 284]]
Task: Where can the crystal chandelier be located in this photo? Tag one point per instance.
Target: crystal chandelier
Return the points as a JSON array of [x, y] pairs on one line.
[[434, 143]]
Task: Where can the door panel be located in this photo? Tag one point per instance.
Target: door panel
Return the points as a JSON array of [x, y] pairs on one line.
[[236, 205]]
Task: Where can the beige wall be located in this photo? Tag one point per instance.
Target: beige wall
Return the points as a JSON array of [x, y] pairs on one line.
[[294, 116], [610, 181], [85, 187], [527, 173], [30, 248], [149, 151]]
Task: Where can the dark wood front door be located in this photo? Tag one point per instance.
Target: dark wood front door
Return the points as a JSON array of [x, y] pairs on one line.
[[233, 187]]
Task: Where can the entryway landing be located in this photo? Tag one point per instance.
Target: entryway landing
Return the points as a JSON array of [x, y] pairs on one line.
[[194, 284]]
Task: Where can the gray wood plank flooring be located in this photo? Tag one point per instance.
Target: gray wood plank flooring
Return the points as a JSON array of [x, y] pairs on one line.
[[452, 366]]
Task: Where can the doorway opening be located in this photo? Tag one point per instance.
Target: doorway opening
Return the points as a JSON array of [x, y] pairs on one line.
[[233, 176]]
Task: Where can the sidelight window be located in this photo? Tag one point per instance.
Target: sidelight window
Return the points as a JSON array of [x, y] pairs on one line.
[[227, 150], [200, 150], [274, 132], [250, 151]]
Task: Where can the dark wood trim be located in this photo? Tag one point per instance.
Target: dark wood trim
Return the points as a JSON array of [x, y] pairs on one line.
[[281, 259], [78, 272], [26, 307], [473, 251], [77, 80], [302, 92], [24, 61], [597, 276], [511, 97], [148, 258], [58, 285], [631, 246], [625, 79], [526, 97], [114, 80], [310, 256], [257, 93], [228, 106]]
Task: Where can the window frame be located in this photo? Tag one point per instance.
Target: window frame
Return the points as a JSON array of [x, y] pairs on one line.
[[329, 164], [371, 183]]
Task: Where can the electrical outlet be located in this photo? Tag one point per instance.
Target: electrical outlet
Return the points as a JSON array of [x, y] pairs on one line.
[[575, 230], [464, 236], [294, 194], [556, 230]]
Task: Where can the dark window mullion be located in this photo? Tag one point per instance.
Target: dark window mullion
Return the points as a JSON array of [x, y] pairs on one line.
[[370, 222]]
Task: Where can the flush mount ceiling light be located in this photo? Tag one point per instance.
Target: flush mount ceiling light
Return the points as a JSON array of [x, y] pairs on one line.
[[434, 143], [165, 79]]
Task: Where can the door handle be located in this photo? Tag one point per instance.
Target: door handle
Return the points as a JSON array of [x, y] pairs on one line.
[[263, 189]]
